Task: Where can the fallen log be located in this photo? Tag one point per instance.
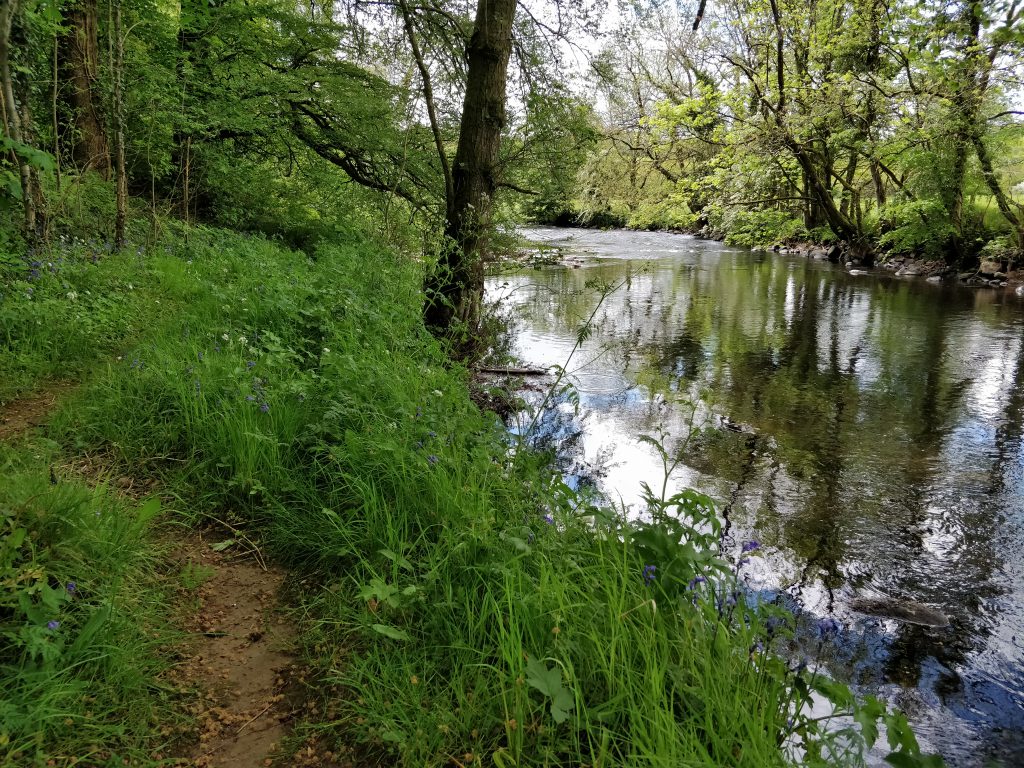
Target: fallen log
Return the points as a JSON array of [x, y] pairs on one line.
[[514, 371]]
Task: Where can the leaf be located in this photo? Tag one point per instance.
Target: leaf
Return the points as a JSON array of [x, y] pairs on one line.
[[867, 715], [539, 676], [392, 632], [149, 510], [549, 682], [397, 559], [561, 705], [85, 635], [835, 692], [220, 546]]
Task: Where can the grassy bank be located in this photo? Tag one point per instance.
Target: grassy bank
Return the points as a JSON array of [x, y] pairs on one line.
[[468, 606]]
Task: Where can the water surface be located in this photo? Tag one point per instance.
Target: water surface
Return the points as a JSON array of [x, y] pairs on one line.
[[866, 429]]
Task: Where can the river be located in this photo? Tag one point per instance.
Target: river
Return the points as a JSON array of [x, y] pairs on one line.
[[867, 429]]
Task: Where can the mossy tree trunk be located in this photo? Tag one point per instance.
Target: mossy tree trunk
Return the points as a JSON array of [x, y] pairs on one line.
[[79, 62], [454, 291]]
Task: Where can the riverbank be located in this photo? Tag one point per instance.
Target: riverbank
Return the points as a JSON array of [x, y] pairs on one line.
[[865, 428], [452, 603]]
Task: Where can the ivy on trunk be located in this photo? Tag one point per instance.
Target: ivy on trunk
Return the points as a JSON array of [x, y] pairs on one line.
[[454, 291]]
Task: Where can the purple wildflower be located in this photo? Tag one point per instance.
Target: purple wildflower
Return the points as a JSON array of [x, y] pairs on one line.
[[649, 574], [828, 628], [264, 407], [695, 581], [549, 519], [250, 364], [71, 587], [750, 546], [433, 459], [53, 625]]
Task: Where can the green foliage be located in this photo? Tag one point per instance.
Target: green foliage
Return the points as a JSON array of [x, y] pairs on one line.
[[80, 631], [921, 227], [10, 179], [548, 151], [464, 600], [751, 228]]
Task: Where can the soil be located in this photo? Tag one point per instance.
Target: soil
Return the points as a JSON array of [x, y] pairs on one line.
[[241, 659], [242, 656], [25, 413]]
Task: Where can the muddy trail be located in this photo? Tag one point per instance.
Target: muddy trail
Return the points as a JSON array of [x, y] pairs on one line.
[[240, 657]]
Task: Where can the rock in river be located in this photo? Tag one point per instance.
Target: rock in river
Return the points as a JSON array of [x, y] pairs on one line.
[[903, 610]]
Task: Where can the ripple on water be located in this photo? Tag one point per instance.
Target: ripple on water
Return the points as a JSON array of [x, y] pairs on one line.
[[887, 456]]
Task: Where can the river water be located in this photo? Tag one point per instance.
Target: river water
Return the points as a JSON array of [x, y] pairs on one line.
[[867, 429]]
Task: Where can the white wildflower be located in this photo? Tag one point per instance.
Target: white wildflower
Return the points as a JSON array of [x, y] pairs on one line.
[[242, 340], [72, 295]]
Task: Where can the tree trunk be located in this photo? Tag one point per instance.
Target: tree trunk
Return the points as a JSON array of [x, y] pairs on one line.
[[121, 216], [12, 122], [454, 291], [1011, 210], [79, 55]]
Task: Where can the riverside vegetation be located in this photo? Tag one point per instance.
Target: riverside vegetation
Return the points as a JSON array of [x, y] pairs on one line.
[[473, 609], [253, 238]]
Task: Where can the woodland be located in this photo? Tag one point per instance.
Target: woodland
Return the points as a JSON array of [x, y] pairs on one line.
[[242, 256]]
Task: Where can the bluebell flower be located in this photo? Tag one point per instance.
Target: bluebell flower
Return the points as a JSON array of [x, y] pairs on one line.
[[265, 407], [828, 628], [71, 587], [750, 546], [649, 574], [251, 398], [250, 364], [549, 519], [53, 625], [433, 459], [695, 581]]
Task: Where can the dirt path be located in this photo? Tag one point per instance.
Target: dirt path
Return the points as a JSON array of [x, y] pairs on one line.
[[25, 413], [242, 658]]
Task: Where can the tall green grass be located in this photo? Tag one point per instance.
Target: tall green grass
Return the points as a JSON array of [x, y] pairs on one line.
[[82, 630], [468, 607]]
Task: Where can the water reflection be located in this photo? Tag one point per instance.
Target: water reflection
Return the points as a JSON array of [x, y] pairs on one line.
[[873, 442]]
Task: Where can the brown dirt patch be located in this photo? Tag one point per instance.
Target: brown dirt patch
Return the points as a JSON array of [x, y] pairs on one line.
[[25, 413], [242, 657]]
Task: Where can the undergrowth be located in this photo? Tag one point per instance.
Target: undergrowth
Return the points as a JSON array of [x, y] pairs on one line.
[[474, 608], [82, 633]]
